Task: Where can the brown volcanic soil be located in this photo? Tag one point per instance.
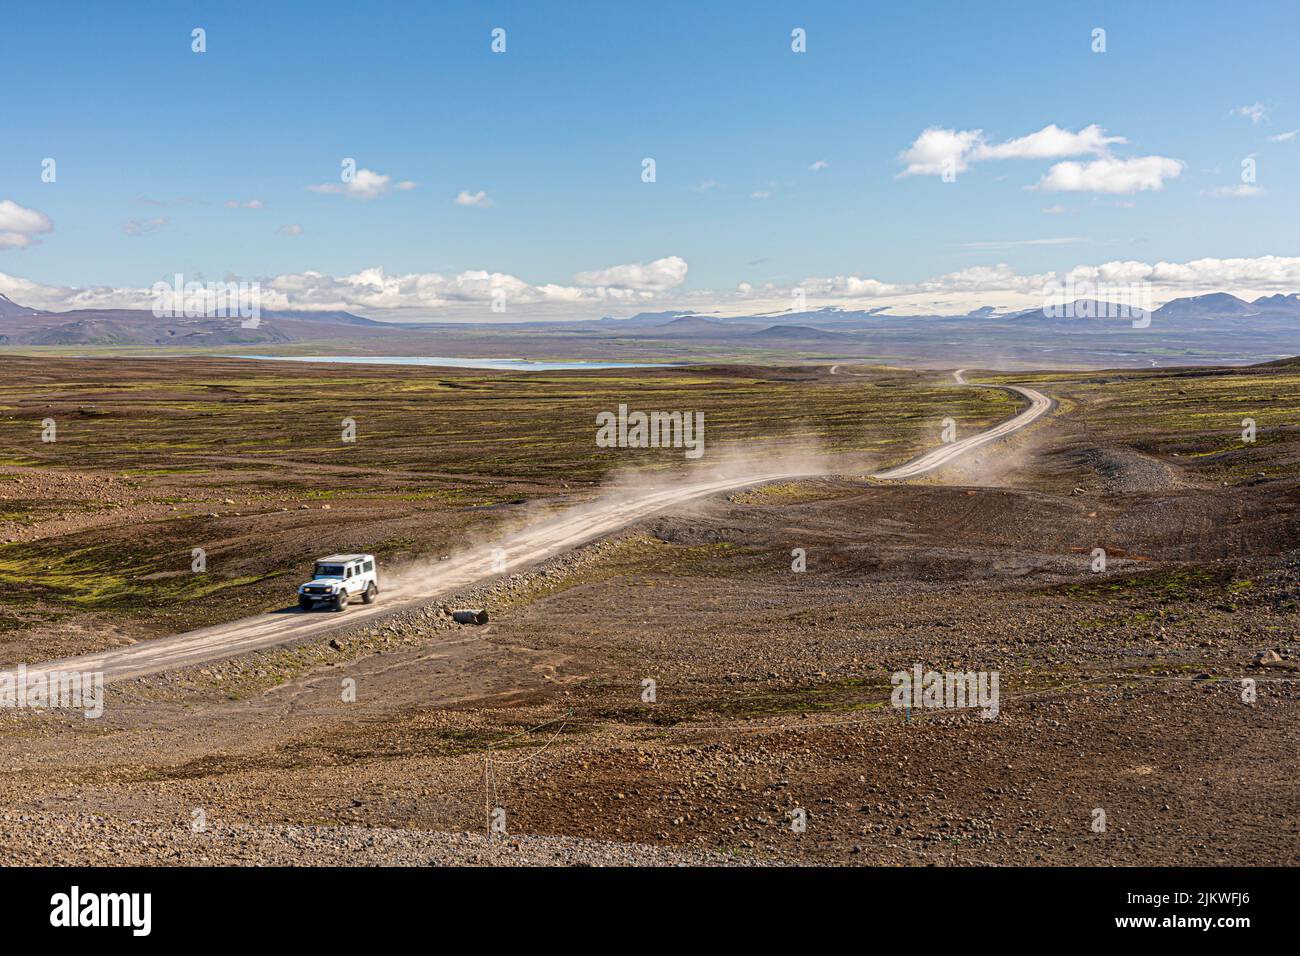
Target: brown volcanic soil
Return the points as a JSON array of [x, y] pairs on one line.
[[1120, 691], [245, 459]]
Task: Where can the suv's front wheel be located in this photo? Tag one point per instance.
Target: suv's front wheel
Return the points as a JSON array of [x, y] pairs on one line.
[[371, 593], [304, 602], [341, 601]]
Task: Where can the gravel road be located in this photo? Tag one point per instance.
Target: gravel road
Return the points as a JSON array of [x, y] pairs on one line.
[[538, 542]]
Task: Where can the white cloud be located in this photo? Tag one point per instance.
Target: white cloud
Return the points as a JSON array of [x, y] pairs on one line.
[[365, 184], [1239, 191], [140, 227], [938, 150], [1055, 210], [1001, 286], [1051, 142], [656, 285], [293, 229], [1255, 112], [1110, 175], [1284, 137], [818, 166], [479, 199], [245, 204], [19, 226], [659, 275], [850, 287], [1260, 273], [761, 194], [705, 185], [374, 291]]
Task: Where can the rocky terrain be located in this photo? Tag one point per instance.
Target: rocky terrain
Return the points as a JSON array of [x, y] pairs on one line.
[[678, 693]]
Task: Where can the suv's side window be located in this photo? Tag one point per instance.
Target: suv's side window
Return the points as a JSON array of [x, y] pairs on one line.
[[370, 566], [348, 572]]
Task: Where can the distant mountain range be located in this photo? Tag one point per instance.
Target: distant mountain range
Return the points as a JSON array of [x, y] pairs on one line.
[[1215, 305], [20, 325], [1204, 329], [9, 309]]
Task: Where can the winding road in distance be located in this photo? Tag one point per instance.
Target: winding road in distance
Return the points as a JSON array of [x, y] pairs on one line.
[[1039, 405], [545, 539]]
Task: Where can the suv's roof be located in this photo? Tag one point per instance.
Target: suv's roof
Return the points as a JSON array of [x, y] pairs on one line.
[[343, 558]]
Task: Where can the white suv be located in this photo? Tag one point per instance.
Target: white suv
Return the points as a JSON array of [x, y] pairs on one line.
[[339, 578]]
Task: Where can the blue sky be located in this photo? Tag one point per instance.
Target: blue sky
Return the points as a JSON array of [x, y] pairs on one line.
[[554, 131]]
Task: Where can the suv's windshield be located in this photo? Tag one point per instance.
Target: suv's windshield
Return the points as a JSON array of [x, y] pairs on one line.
[[329, 570]]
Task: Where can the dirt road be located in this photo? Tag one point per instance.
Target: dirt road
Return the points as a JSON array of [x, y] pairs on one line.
[[536, 543], [1039, 405], [529, 546]]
